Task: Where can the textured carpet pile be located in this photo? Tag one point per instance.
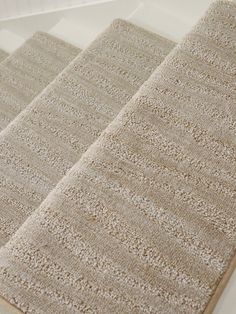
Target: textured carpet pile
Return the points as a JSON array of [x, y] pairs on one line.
[[50, 135], [145, 220], [28, 70], [3, 55]]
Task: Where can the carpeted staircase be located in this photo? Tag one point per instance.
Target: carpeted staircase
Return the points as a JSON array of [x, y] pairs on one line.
[[117, 185]]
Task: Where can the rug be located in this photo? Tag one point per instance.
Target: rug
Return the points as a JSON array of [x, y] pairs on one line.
[[50, 135], [29, 70], [145, 221], [3, 55]]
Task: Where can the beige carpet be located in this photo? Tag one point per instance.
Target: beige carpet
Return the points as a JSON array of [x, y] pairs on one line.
[[50, 135], [29, 70], [145, 221], [3, 55]]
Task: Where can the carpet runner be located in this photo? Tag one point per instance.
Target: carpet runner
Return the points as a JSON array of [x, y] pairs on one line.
[[29, 70], [3, 55], [145, 221], [49, 136]]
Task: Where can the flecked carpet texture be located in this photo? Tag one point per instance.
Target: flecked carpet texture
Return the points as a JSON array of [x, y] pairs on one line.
[[29, 70], [3, 55], [50, 135], [145, 221]]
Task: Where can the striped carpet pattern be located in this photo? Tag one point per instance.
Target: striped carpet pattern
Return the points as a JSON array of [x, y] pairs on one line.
[[145, 222], [29, 70], [50, 135], [3, 55]]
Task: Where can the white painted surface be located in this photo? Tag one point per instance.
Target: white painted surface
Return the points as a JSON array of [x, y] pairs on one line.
[[89, 19], [171, 19], [10, 41], [154, 19], [71, 32], [10, 9], [227, 301]]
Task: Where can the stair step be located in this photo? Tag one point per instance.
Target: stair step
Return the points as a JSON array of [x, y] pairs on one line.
[[10, 41]]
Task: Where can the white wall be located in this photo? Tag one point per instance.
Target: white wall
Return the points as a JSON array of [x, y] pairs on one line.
[[16, 8]]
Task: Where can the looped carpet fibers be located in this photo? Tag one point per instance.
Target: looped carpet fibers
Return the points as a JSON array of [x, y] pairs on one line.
[[3, 55], [51, 134], [145, 221], [28, 70]]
